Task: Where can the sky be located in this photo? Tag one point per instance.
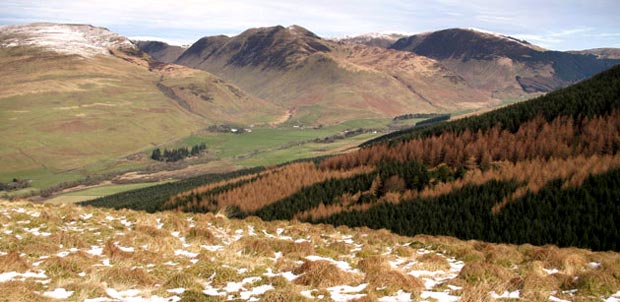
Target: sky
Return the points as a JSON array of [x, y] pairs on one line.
[[553, 24]]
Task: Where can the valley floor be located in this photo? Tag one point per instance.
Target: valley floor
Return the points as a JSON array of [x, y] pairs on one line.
[[66, 252]]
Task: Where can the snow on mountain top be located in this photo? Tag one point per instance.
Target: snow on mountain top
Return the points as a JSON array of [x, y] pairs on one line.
[[83, 40], [501, 36], [373, 35]]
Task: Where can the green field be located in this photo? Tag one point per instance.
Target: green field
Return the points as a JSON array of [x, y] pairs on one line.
[[95, 192]]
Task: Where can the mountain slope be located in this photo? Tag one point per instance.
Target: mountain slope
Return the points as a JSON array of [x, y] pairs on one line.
[[503, 64], [161, 51], [76, 95], [324, 81], [75, 253]]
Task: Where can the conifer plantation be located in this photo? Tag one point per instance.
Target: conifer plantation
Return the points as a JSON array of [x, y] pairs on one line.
[[545, 171]]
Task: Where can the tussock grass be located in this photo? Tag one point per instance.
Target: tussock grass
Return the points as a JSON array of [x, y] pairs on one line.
[[36, 248], [477, 293], [114, 252], [340, 247], [151, 231], [20, 291], [174, 221], [379, 274], [502, 254], [321, 274], [255, 247], [64, 267], [182, 279], [373, 264], [69, 240], [12, 262], [404, 251], [84, 290], [597, 283], [295, 250], [536, 287], [196, 296], [200, 234], [283, 295], [215, 272], [431, 262], [121, 276], [393, 280], [485, 274]]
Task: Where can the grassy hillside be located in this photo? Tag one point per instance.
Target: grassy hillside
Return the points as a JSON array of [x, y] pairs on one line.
[[485, 175], [65, 116], [69, 253]]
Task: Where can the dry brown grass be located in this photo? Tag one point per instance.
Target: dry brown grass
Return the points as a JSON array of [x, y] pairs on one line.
[[569, 261], [122, 276], [84, 290], [321, 274], [431, 262], [39, 248], [20, 291], [69, 240], [535, 287], [114, 252], [207, 269], [379, 274], [404, 251], [291, 249], [481, 273], [65, 267], [373, 264], [182, 280], [283, 295], [12, 262], [339, 247], [502, 254], [174, 221], [150, 230], [597, 282], [200, 234], [255, 247], [196, 296], [476, 293], [393, 280]]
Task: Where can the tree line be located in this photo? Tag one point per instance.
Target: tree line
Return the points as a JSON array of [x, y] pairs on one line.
[[172, 155]]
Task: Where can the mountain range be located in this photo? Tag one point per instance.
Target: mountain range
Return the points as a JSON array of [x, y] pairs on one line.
[[443, 71]]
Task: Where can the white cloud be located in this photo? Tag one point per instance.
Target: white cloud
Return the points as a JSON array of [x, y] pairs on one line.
[[552, 39]]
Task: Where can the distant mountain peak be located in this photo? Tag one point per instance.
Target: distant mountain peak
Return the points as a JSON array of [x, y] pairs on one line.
[[79, 39], [465, 43]]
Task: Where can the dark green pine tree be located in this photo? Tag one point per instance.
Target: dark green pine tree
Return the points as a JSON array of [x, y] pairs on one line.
[[156, 155]]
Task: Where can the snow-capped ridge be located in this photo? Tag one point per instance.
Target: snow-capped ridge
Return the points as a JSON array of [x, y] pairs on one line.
[[393, 36], [500, 36], [79, 39]]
